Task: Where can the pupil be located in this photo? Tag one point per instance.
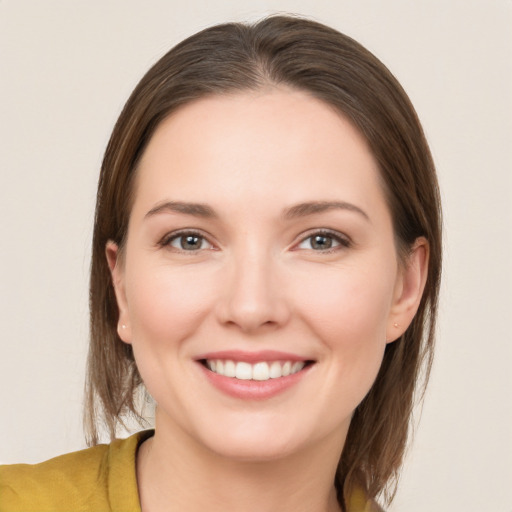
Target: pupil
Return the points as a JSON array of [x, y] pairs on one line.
[[321, 242], [190, 242]]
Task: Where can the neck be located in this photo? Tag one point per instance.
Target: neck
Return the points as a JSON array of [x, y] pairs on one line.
[[175, 474]]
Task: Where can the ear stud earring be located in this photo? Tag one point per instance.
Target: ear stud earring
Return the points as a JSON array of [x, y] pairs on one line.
[[394, 325], [123, 326]]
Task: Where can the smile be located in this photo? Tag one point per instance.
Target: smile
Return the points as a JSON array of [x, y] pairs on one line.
[[259, 371], [254, 375]]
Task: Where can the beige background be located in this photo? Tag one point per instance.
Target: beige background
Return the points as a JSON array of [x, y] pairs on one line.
[[66, 68]]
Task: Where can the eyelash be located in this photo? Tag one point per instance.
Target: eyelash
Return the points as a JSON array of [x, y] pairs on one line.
[[342, 241], [167, 239]]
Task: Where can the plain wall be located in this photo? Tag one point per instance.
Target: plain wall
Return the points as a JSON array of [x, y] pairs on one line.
[[66, 69]]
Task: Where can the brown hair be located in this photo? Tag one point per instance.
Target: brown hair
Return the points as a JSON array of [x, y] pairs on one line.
[[305, 55]]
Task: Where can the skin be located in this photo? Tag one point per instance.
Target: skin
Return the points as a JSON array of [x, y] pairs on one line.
[[256, 282]]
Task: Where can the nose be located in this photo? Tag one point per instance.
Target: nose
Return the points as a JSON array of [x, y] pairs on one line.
[[253, 293]]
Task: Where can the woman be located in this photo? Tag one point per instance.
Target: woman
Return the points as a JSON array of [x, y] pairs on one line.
[[266, 263]]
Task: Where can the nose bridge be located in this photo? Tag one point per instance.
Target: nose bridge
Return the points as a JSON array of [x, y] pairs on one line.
[[254, 297]]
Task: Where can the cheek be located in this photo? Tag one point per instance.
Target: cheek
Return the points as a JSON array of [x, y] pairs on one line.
[[167, 304], [165, 307], [347, 304], [348, 312]]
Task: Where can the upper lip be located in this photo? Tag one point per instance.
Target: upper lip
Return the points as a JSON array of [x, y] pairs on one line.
[[252, 357]]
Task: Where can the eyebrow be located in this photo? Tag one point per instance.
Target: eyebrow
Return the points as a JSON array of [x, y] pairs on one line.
[[196, 209], [293, 212], [314, 207]]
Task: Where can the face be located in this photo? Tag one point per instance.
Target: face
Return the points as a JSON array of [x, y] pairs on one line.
[[259, 283]]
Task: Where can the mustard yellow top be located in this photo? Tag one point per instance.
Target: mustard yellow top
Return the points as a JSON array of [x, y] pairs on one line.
[[98, 479]]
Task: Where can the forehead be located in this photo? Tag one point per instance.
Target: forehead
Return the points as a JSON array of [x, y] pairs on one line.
[[277, 142]]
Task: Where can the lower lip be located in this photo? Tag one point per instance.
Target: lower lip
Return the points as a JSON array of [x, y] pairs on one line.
[[253, 389]]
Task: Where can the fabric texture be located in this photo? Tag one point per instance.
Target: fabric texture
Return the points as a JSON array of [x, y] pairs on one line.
[[98, 479]]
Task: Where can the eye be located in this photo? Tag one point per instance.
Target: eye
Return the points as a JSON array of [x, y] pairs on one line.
[[323, 241], [187, 241]]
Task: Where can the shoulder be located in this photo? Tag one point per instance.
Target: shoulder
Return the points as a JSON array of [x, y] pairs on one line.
[[59, 482], [358, 502], [84, 480]]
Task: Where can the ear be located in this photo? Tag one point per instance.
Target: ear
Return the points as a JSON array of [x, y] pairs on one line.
[[115, 264], [408, 292]]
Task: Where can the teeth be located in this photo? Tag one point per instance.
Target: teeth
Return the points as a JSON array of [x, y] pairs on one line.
[[229, 369], [296, 367], [259, 371], [275, 370], [243, 371]]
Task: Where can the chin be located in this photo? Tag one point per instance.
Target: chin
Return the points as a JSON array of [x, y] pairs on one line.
[[260, 441], [255, 450]]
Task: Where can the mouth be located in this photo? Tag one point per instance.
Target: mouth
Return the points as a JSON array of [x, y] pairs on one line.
[[254, 375], [257, 371]]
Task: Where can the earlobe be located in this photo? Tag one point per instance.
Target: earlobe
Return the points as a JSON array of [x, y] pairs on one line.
[[408, 290], [112, 253]]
